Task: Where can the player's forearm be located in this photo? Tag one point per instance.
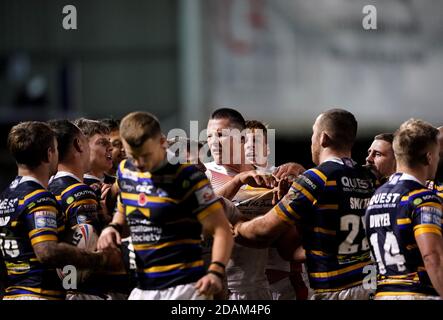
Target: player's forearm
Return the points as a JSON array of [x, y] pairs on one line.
[[254, 234], [230, 189], [222, 245], [434, 267], [61, 254]]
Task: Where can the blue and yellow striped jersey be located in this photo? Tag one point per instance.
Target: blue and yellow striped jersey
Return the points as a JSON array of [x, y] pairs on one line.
[[29, 214], [164, 210], [436, 186], [77, 200], [328, 203], [399, 211]]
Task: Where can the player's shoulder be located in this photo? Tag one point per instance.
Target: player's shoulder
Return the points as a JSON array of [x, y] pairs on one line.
[[420, 195], [189, 173]]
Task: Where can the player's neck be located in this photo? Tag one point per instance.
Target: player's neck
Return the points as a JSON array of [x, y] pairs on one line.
[[330, 153], [97, 173], [41, 174], [419, 173], [73, 169]]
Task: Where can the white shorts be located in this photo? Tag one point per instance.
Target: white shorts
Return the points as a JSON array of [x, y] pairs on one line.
[[353, 293], [180, 292], [408, 297], [82, 296], [258, 294]]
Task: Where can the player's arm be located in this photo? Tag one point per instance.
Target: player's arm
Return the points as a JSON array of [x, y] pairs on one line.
[[431, 249], [112, 234], [59, 254], [427, 231], [215, 224], [293, 208], [252, 178]]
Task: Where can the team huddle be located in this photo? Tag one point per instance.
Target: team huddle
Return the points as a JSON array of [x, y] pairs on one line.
[[99, 211]]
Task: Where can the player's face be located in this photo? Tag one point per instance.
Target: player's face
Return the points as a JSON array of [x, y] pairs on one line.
[[149, 156], [118, 152], [101, 153], [223, 140], [256, 148], [381, 157], [53, 158], [315, 141], [435, 158]]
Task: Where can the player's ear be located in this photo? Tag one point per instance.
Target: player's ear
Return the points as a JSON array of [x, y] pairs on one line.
[[428, 158], [163, 141], [77, 145], [325, 140]]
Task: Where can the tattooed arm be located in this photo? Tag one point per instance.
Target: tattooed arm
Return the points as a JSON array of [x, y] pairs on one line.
[[59, 254]]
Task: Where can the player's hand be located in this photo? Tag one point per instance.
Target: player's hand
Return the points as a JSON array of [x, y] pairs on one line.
[[290, 170], [105, 188], [109, 238], [209, 285], [281, 190], [256, 179]]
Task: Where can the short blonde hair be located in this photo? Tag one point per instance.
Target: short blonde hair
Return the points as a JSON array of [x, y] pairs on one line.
[[412, 140], [137, 127]]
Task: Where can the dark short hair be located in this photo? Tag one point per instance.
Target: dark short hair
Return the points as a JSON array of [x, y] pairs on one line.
[[65, 132], [255, 124], [91, 127], [28, 142], [234, 117], [137, 127], [412, 140], [341, 126], [112, 124], [388, 137]]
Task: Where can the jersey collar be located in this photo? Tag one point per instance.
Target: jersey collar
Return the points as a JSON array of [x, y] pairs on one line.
[[65, 174]]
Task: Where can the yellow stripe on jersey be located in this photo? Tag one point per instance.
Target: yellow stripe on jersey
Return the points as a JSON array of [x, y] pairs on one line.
[[44, 208], [331, 183], [339, 288], [403, 221], [135, 197], [399, 293], [318, 253], [165, 245], [421, 230], [413, 193], [46, 237], [291, 211], [22, 201], [282, 215], [174, 267], [35, 290], [146, 175], [15, 296], [338, 272], [207, 211], [305, 192], [35, 231], [78, 203], [328, 206], [71, 187], [182, 167], [430, 204], [14, 223], [319, 174], [325, 231]]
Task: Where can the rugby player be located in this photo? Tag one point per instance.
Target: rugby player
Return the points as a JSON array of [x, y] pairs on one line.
[[167, 207], [381, 156], [31, 223], [328, 203], [403, 220], [118, 152]]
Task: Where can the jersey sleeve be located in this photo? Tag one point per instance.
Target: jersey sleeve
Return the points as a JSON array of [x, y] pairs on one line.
[[426, 212], [42, 217], [303, 194], [197, 194], [80, 205]]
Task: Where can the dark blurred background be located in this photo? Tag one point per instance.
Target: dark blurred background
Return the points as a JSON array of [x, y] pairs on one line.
[[279, 61]]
